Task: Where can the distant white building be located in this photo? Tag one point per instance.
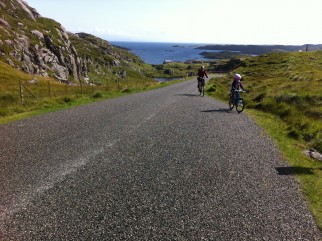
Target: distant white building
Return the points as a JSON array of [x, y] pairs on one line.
[[167, 61]]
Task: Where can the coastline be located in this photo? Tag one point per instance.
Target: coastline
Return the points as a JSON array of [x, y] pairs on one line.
[[161, 52]]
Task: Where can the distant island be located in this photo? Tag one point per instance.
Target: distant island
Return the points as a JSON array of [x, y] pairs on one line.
[[256, 49], [221, 55]]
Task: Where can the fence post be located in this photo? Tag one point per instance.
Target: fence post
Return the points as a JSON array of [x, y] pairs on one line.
[[49, 90], [81, 86], [21, 94]]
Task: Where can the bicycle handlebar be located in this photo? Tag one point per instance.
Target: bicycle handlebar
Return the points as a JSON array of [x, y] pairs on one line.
[[240, 90]]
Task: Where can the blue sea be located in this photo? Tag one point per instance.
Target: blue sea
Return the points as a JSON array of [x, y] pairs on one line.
[[157, 53]]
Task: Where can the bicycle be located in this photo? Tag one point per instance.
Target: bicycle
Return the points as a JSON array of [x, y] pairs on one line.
[[238, 103], [201, 85]]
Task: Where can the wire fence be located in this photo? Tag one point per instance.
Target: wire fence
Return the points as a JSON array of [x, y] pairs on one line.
[[37, 90]]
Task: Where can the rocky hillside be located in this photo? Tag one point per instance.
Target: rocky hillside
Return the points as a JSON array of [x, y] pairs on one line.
[[41, 46]]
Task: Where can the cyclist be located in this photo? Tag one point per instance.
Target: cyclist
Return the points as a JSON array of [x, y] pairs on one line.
[[202, 73], [235, 85]]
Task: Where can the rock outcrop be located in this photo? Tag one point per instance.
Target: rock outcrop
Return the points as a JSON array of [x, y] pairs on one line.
[[41, 46]]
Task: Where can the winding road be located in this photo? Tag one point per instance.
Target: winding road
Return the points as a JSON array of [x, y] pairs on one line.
[[160, 165]]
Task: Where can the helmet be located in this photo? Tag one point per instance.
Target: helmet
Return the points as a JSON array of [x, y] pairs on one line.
[[237, 77], [202, 67]]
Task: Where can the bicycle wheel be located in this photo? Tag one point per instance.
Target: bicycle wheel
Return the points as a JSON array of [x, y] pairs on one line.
[[202, 90], [199, 88], [240, 105], [231, 102]]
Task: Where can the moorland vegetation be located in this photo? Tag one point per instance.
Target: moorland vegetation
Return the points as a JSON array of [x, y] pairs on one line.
[[286, 85]]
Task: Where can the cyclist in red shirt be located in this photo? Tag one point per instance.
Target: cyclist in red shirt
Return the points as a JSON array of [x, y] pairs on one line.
[[202, 73]]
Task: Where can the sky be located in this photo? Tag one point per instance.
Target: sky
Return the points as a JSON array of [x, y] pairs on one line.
[[288, 22]]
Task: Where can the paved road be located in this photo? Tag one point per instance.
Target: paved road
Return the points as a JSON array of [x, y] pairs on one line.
[[160, 165]]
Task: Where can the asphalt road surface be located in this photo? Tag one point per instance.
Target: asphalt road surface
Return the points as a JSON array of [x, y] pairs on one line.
[[160, 165]]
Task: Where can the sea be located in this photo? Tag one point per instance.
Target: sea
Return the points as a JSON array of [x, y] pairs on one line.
[[157, 53]]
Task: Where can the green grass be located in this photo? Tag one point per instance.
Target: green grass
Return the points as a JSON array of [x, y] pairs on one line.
[[287, 85]]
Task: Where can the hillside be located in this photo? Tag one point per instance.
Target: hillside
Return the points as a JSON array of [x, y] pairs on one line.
[[41, 46]]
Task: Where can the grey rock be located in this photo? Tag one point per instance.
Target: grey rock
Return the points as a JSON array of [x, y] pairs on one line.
[[33, 81], [27, 65], [4, 23], [2, 5], [61, 72], [314, 154], [30, 12], [8, 42], [116, 62], [38, 34]]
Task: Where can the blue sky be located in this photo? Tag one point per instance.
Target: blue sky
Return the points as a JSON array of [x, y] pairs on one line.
[[192, 21]]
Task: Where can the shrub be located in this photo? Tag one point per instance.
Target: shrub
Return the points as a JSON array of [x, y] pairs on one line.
[[260, 97], [3, 112], [317, 144], [288, 98], [67, 99], [308, 136], [97, 95], [211, 89], [282, 110], [313, 99], [7, 98], [316, 114], [126, 90], [294, 134]]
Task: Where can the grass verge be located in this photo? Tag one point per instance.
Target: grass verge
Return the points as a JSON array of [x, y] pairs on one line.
[[47, 105], [308, 172]]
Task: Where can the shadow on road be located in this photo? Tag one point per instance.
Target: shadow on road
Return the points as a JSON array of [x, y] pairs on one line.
[[294, 171], [190, 95], [223, 110]]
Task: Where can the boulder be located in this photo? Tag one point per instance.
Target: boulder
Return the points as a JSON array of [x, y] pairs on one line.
[[32, 13], [4, 23], [27, 64], [61, 73], [33, 81], [314, 154], [116, 62], [10, 62], [38, 34], [22, 42], [73, 67], [8, 42], [2, 5]]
